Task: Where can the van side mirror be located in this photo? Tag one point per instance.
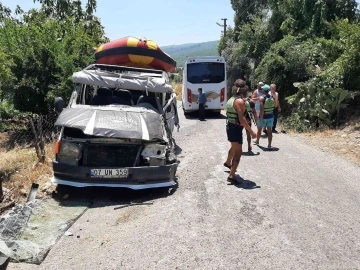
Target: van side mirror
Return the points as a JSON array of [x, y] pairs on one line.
[[59, 105]]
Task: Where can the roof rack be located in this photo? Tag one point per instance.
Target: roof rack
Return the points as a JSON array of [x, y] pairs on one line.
[[123, 68]]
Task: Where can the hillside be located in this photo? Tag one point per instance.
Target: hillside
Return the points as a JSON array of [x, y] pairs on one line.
[[181, 52]]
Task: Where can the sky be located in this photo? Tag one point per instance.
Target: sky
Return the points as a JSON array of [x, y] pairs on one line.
[[167, 22]]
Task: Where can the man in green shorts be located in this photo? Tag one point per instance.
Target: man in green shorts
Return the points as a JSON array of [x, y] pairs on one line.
[[266, 117]]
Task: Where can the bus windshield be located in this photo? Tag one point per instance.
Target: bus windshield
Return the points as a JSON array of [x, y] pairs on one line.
[[199, 73]]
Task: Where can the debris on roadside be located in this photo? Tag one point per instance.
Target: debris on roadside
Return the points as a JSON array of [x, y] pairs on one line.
[[28, 231], [23, 192], [4, 261], [33, 191], [7, 200], [132, 204], [46, 187]]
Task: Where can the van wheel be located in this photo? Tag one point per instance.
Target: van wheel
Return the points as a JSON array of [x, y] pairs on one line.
[[62, 190], [185, 112]]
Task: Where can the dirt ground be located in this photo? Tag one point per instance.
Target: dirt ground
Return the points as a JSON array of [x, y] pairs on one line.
[[344, 141]]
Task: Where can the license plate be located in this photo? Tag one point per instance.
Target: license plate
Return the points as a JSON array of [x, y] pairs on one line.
[[109, 173]]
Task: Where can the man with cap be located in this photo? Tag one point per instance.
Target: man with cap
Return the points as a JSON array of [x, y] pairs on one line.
[[266, 116], [255, 97]]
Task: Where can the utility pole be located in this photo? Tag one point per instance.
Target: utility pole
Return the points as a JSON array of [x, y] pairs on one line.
[[223, 25]]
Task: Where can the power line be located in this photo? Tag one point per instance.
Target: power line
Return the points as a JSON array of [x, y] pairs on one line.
[[242, 13], [224, 25]]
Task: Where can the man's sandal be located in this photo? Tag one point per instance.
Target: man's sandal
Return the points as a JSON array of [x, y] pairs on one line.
[[231, 180], [227, 166]]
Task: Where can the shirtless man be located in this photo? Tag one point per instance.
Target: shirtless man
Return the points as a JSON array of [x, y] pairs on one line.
[[256, 96], [277, 108]]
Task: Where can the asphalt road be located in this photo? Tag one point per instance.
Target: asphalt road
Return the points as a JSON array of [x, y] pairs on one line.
[[299, 209]]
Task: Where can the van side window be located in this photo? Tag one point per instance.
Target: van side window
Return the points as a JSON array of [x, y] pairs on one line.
[[79, 94], [89, 94]]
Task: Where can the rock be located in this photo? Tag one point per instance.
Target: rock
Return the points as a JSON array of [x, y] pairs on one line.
[[23, 192], [67, 233], [344, 135], [78, 236], [33, 227], [63, 227], [46, 187]]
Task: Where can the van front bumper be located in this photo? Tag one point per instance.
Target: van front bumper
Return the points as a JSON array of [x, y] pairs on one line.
[[138, 177]]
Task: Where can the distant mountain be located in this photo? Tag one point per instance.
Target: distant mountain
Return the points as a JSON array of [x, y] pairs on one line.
[[181, 52]]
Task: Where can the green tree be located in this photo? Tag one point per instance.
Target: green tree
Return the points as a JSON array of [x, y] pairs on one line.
[[224, 39], [314, 43], [244, 10], [46, 47]]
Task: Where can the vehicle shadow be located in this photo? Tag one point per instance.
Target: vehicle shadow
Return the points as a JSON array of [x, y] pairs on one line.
[[244, 184], [208, 115], [109, 196]]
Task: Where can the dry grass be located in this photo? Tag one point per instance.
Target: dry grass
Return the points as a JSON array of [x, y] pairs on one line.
[[344, 142], [178, 90], [19, 168]]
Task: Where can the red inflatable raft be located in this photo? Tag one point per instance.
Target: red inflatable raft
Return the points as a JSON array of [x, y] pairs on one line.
[[134, 52]]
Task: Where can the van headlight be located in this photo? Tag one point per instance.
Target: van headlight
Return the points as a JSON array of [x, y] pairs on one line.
[[69, 153], [154, 154]]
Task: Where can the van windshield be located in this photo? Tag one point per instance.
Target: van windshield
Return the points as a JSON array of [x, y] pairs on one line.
[[210, 72], [103, 96]]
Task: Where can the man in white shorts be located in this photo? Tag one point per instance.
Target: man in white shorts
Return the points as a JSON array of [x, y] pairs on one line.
[[255, 97]]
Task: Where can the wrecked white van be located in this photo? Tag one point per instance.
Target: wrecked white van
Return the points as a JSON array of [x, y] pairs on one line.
[[117, 129]]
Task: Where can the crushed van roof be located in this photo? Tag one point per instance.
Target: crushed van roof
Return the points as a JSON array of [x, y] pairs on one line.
[[126, 81]]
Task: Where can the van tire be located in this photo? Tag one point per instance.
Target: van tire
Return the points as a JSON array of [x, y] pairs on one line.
[[185, 112]]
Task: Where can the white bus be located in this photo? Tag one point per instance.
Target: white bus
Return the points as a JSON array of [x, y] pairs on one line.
[[208, 73]]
